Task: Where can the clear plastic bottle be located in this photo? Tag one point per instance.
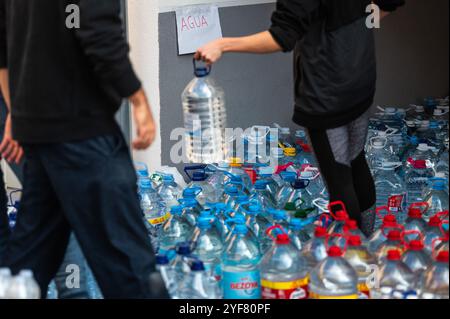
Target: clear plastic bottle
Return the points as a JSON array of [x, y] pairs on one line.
[[333, 278], [180, 264], [415, 221], [284, 275], [167, 273], [205, 118], [340, 217], [416, 258], [296, 234], [298, 201], [23, 286], [5, 281], [255, 221], [315, 250], [350, 229], [197, 284], [435, 283], [177, 229], [169, 191], [434, 233], [378, 153], [394, 241], [379, 236], [359, 257], [437, 199], [396, 279], [263, 195], [240, 266], [208, 245], [199, 180]]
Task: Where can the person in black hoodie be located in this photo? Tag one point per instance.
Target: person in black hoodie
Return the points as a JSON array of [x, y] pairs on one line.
[[66, 84], [335, 78]]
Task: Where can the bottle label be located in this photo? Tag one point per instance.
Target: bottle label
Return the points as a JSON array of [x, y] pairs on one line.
[[297, 289], [159, 220], [395, 203], [313, 295], [241, 285], [364, 291]]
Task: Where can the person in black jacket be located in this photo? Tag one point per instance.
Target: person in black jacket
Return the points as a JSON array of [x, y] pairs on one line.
[[66, 84], [335, 78]]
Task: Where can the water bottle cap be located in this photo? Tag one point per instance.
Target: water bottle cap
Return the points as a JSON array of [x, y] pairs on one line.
[[176, 210], [145, 184], [443, 257], [235, 162], [419, 108], [143, 172], [320, 232], [199, 176], [422, 147], [335, 251], [283, 239], [191, 192], [438, 185], [300, 184], [378, 144], [300, 133], [415, 213], [394, 235], [390, 110], [253, 209], [241, 199], [260, 185], [414, 140], [435, 221], [5, 272], [168, 178], [341, 215], [416, 245], [162, 260], [223, 164], [354, 241], [394, 255], [231, 190], [290, 151], [183, 249], [285, 130], [389, 220], [351, 224], [197, 265], [296, 223], [204, 222], [279, 215], [240, 229]]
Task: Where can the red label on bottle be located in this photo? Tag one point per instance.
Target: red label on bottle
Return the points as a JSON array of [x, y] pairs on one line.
[[395, 203], [285, 290]]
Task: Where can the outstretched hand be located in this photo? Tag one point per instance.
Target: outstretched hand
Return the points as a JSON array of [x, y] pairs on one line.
[[210, 53]]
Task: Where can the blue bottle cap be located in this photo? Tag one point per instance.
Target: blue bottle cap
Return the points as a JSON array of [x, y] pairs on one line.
[[197, 265], [176, 210], [279, 215], [242, 199], [145, 184], [199, 176], [183, 249], [191, 192], [204, 222], [260, 184], [253, 209], [296, 223], [240, 229], [231, 190], [206, 214], [162, 260], [168, 178]]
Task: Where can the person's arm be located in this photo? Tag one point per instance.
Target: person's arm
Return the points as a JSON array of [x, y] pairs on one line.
[[388, 6], [102, 38], [290, 22]]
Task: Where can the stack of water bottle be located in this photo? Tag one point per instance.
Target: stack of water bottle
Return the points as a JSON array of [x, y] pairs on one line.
[[21, 286], [248, 230]]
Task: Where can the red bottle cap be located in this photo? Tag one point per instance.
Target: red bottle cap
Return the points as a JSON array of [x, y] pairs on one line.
[[341, 215], [335, 251], [442, 257], [394, 255], [351, 224], [283, 239], [416, 245], [394, 235], [415, 213], [389, 220], [320, 232], [435, 221], [354, 241]]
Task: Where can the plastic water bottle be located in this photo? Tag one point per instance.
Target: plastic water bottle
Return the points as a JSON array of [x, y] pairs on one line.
[[205, 118], [256, 221], [437, 199], [236, 170], [180, 264], [199, 180], [240, 266], [394, 241], [167, 273], [284, 275], [177, 229], [350, 229], [433, 233], [298, 202], [396, 279], [378, 153], [333, 278], [379, 237], [416, 258], [197, 284], [340, 217], [435, 283], [391, 191], [23, 286], [415, 221], [417, 179], [5, 281], [296, 234], [263, 195], [208, 245], [315, 250], [170, 191], [359, 257], [316, 187]]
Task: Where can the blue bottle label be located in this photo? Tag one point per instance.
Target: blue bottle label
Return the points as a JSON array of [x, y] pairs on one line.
[[241, 285]]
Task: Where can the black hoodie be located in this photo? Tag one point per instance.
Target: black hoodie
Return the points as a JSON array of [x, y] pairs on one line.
[[66, 84], [335, 65]]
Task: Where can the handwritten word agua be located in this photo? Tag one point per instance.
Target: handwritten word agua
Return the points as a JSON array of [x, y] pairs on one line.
[[190, 23]]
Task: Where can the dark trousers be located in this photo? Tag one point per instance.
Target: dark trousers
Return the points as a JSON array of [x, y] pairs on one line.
[[88, 187]]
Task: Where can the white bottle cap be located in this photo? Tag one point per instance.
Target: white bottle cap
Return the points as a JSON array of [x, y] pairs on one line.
[[419, 108], [378, 144], [422, 147], [26, 273], [285, 130], [5, 272]]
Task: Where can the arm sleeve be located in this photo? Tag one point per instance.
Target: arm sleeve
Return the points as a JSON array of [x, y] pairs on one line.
[[291, 20], [102, 38], [3, 50], [389, 5]]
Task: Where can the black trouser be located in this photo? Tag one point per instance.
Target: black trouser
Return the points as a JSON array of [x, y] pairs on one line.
[[88, 187], [341, 157]]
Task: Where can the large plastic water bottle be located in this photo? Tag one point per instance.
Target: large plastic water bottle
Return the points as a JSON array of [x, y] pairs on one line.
[[417, 179], [263, 195], [199, 180], [180, 264], [240, 266], [434, 233], [394, 241], [169, 191], [197, 284], [316, 187], [350, 229], [208, 245], [5, 280], [396, 279], [415, 221], [340, 217], [152, 206], [315, 250], [296, 234], [379, 236], [333, 278], [205, 118], [298, 201], [435, 283], [359, 257], [437, 198], [378, 153], [167, 273], [177, 229], [237, 170], [284, 274], [390, 190], [416, 258], [23, 286], [256, 221]]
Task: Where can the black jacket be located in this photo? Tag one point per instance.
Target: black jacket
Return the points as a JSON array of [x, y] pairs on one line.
[[66, 84], [335, 65]]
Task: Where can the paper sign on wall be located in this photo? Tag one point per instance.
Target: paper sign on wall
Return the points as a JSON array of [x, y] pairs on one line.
[[197, 26]]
